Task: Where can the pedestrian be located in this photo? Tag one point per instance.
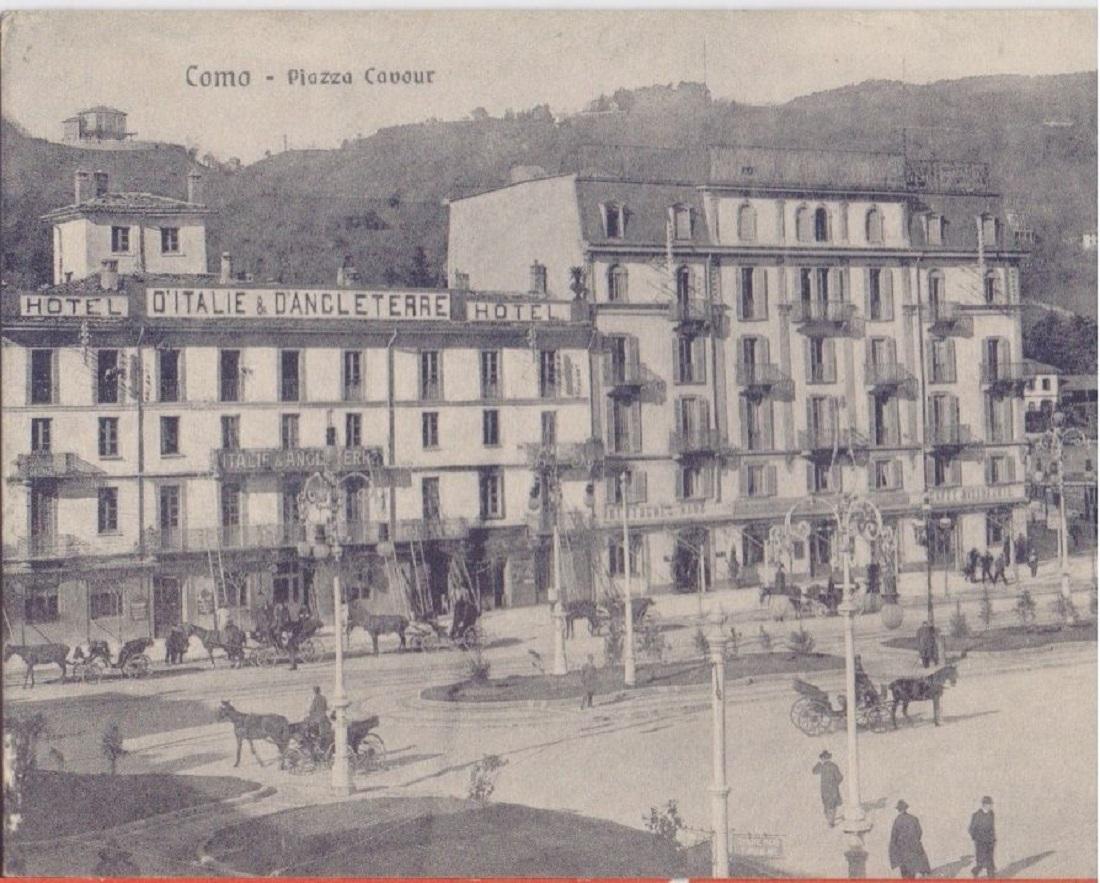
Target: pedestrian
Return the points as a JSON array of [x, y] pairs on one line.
[[873, 572], [734, 566], [926, 644], [972, 561], [280, 623], [1021, 549], [588, 681], [832, 595], [1033, 562], [830, 785], [999, 571], [780, 580], [987, 566], [906, 850], [984, 836], [1006, 550], [865, 688], [317, 716]]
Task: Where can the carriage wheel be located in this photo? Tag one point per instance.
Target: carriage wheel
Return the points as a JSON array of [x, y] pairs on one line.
[[266, 657], [137, 666], [92, 672], [812, 718], [470, 638], [878, 719], [309, 651], [371, 754], [429, 641], [330, 757], [298, 761]]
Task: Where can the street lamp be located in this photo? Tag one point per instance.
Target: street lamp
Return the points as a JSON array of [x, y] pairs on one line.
[[719, 789], [319, 504], [1054, 441], [855, 516], [547, 492], [629, 674]]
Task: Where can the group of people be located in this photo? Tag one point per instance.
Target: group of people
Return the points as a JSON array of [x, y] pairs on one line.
[[982, 567], [274, 622], [907, 853]]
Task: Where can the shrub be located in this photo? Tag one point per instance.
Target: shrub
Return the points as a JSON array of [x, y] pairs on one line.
[[664, 823], [985, 610], [112, 745], [483, 776], [1064, 609], [651, 642], [765, 640], [958, 626], [1025, 608], [699, 641], [801, 642], [477, 666], [613, 643], [21, 736], [734, 642]]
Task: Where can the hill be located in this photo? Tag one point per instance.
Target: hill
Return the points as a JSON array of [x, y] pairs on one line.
[[295, 215]]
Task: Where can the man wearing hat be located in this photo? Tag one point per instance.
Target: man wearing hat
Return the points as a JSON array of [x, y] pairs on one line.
[[830, 785], [984, 837], [906, 850]]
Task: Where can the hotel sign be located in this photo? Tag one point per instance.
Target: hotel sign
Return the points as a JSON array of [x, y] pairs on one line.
[[58, 306], [657, 513], [270, 303], [250, 461], [503, 311], [979, 494]]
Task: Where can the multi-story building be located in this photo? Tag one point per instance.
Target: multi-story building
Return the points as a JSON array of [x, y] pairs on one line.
[[796, 324]]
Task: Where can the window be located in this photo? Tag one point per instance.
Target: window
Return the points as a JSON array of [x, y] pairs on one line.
[[169, 240], [108, 509], [753, 302], [462, 281], [694, 482], [936, 225], [538, 278], [822, 360], [120, 240], [43, 526], [105, 604], [353, 430], [746, 223], [692, 416], [352, 379], [168, 385], [756, 423], [685, 285], [490, 374], [490, 428], [759, 480], [874, 226], [989, 231], [289, 511], [990, 287], [168, 509], [290, 387], [615, 555], [998, 419], [230, 505], [429, 429], [40, 605], [942, 361], [491, 493], [429, 494], [42, 377], [825, 478], [548, 374], [636, 487], [288, 431], [681, 222], [1000, 469], [169, 436], [803, 223], [108, 436], [231, 432], [431, 376], [40, 435], [613, 220], [821, 225], [624, 426], [880, 294], [886, 475], [549, 427], [616, 284], [107, 377], [229, 375], [691, 365], [937, 298], [997, 528]]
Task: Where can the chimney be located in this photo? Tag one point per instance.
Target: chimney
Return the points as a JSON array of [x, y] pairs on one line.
[[108, 275], [538, 278], [100, 183], [346, 274], [227, 269], [81, 182], [194, 187]]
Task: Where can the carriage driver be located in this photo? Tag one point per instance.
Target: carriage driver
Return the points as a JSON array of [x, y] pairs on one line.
[[866, 694], [317, 719]]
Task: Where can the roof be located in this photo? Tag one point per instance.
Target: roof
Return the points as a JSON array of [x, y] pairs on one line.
[[646, 207], [128, 202], [102, 108], [1043, 367], [960, 214], [1078, 381]]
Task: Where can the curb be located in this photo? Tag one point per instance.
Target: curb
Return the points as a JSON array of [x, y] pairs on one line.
[[139, 825]]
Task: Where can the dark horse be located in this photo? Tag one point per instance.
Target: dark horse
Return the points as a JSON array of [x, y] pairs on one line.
[[638, 607], [931, 687], [272, 727], [376, 624], [38, 654], [586, 609], [231, 643]]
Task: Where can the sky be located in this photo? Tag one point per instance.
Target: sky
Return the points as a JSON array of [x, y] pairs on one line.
[[55, 63]]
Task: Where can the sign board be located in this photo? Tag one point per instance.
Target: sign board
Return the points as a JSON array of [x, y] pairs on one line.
[[498, 311], [58, 306], [253, 461], [645, 513], [270, 303]]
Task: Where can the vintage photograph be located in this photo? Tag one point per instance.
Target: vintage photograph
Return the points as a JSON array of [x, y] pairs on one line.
[[636, 443]]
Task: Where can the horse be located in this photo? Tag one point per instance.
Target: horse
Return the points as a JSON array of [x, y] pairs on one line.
[[931, 687], [377, 624], [790, 600], [213, 640], [586, 609], [35, 654], [465, 617], [638, 607], [272, 727]]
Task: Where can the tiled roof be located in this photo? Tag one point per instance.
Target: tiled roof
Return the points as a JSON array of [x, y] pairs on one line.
[[147, 203], [647, 210], [960, 213], [102, 108]]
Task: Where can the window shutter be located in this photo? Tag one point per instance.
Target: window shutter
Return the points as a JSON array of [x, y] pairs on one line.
[[1013, 285], [836, 479], [830, 359], [989, 470], [611, 482], [708, 480], [956, 471], [886, 294], [30, 377], [704, 414], [949, 350], [867, 292], [929, 471], [738, 293], [929, 362], [763, 350], [891, 351], [567, 370], [769, 429], [636, 427], [699, 359], [613, 443], [633, 362], [769, 481], [743, 414], [898, 478], [835, 292], [834, 416], [1010, 464], [677, 373], [680, 483], [807, 360], [760, 292], [953, 412]]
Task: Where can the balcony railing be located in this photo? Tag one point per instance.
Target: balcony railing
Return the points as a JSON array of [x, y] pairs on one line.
[[696, 441], [949, 435], [823, 438], [694, 311], [621, 377], [46, 546], [760, 375], [53, 465], [427, 529], [827, 319], [565, 454], [887, 376], [948, 320], [1008, 374]]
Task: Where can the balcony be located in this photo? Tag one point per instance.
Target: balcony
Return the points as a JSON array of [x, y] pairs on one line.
[[697, 442], [827, 319], [950, 435], [819, 439], [694, 313], [623, 378], [578, 456], [232, 537], [948, 320], [427, 529], [889, 378], [1008, 376], [45, 546], [55, 466], [762, 378]]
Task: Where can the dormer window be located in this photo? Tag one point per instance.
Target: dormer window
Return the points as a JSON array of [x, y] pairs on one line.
[[821, 225], [120, 240], [613, 220], [746, 223], [874, 225], [681, 221], [935, 229], [989, 231]]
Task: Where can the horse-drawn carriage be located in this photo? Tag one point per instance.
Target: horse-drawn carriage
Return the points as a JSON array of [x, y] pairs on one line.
[[815, 714], [791, 600], [599, 616], [90, 666], [269, 647], [313, 746], [465, 632]]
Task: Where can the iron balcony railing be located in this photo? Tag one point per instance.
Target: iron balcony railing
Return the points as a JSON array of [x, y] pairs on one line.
[[1008, 373], [949, 320], [828, 318], [622, 376], [427, 529], [694, 311], [696, 441], [949, 435], [886, 376], [55, 465], [819, 438], [760, 375]]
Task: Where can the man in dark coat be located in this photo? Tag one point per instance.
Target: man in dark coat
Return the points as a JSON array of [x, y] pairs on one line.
[[780, 580], [972, 561], [999, 571], [830, 785], [1033, 562], [984, 836], [926, 644], [588, 682], [906, 850], [281, 623], [987, 566]]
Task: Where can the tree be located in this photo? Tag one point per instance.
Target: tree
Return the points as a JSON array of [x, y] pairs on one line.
[[419, 273], [1066, 342], [112, 745]]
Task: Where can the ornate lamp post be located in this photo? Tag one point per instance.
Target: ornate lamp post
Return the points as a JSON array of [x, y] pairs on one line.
[[1054, 441], [547, 493], [719, 789], [855, 516], [629, 674]]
